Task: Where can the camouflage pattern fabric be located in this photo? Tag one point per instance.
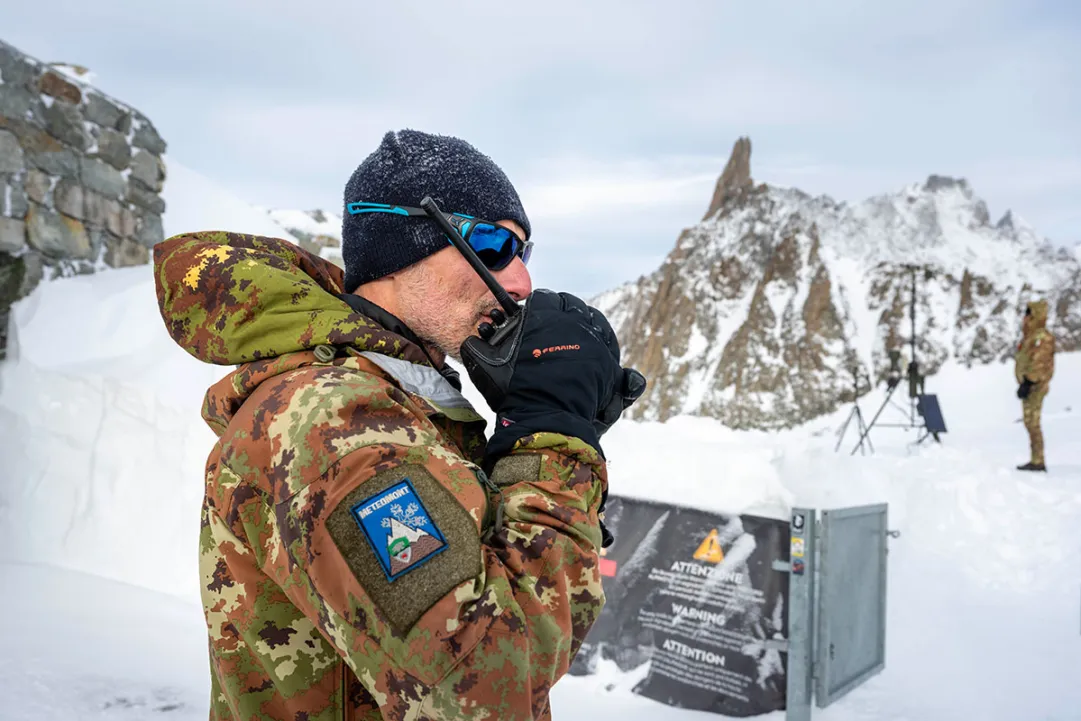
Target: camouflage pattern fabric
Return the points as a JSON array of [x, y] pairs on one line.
[[1035, 360], [1030, 411], [356, 561]]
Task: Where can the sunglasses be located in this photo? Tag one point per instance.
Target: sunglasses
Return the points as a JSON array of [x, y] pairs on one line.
[[495, 245]]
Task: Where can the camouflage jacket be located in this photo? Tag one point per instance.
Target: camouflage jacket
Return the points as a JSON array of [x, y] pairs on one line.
[[356, 560], [1035, 357]]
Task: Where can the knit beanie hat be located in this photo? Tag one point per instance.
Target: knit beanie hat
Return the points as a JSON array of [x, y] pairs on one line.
[[407, 166]]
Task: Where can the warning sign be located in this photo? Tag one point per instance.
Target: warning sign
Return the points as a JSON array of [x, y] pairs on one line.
[[694, 598], [710, 549]]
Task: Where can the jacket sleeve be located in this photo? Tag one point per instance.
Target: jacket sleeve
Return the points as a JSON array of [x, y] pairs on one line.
[[396, 554]]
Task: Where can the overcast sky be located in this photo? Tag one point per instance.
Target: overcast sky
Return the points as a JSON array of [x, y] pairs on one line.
[[613, 117]]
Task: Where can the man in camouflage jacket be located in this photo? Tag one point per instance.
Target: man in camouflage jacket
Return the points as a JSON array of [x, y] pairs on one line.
[[366, 553], [1034, 364]]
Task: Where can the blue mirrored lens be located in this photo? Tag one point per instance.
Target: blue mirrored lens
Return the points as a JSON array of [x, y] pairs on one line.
[[494, 245]]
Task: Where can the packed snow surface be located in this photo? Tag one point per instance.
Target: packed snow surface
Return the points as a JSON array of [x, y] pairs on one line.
[[101, 483]]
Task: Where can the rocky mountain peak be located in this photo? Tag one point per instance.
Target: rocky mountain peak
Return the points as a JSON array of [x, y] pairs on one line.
[[940, 182], [762, 310], [735, 179]]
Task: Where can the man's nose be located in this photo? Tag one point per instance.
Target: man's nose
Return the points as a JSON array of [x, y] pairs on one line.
[[515, 279]]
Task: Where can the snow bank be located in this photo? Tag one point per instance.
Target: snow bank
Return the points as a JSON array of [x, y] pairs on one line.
[[100, 433], [102, 443], [194, 202]]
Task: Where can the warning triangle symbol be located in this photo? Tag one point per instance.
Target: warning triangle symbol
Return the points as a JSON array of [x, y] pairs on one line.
[[710, 549]]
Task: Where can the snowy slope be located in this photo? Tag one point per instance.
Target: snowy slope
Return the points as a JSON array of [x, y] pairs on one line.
[[100, 433], [309, 222], [103, 455], [940, 222], [194, 202], [99, 414], [75, 647], [318, 232]]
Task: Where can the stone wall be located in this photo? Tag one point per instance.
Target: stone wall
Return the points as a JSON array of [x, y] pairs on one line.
[[80, 179]]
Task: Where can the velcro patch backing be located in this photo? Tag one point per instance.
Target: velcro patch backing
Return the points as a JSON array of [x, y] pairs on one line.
[[407, 540], [516, 468]]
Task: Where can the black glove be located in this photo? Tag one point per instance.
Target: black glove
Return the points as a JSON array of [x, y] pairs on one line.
[[556, 370], [1025, 388]]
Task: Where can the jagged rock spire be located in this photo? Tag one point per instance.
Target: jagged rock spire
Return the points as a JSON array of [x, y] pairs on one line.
[[736, 176]]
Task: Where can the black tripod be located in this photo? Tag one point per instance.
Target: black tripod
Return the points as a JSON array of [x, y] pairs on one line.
[[920, 404], [915, 393], [855, 413]]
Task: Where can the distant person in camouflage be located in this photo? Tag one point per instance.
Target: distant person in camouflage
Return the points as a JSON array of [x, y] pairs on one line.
[[366, 553], [1034, 366]]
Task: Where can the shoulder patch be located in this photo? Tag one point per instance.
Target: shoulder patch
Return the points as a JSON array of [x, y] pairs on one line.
[[399, 528], [407, 540]]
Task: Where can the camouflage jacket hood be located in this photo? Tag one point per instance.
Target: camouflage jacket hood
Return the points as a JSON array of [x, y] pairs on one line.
[[1035, 356], [263, 304], [1038, 319]]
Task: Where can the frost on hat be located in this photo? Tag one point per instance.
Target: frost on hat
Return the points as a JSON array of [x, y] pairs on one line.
[[407, 166]]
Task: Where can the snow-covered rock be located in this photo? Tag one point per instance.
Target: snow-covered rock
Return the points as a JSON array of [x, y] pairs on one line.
[[317, 231], [764, 311]]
